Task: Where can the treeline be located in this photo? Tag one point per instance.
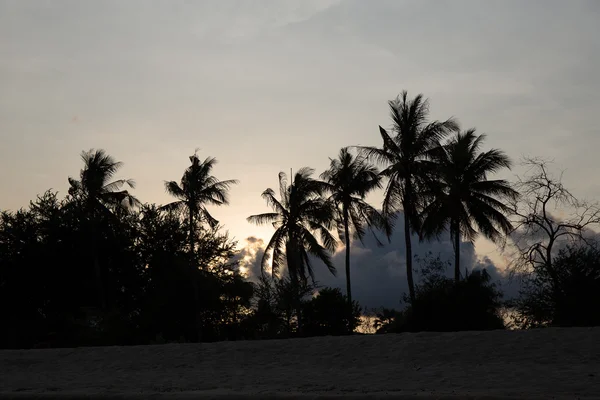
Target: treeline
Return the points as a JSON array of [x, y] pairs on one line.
[[99, 267]]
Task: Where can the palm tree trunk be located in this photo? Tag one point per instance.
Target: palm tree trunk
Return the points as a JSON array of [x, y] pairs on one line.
[[347, 237], [95, 259], [407, 205], [456, 243], [457, 257], [348, 283], [409, 270], [298, 301], [193, 267], [191, 239], [292, 255]]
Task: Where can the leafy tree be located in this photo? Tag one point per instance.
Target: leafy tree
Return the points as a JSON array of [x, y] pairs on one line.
[[275, 305], [328, 314], [405, 155], [351, 179], [443, 305], [48, 298], [569, 298], [462, 196]]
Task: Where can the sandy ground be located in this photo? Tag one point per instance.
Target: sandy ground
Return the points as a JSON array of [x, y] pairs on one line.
[[545, 364]]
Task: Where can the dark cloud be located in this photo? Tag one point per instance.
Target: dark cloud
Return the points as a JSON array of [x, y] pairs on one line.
[[378, 273]]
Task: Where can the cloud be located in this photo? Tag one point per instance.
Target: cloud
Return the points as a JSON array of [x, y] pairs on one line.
[[379, 273], [250, 257]]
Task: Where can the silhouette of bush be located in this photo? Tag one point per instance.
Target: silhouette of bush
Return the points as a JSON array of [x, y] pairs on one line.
[[443, 305], [471, 304], [572, 299], [328, 313]]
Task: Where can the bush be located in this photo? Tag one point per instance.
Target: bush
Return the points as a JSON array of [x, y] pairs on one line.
[[442, 305], [329, 313], [573, 299]]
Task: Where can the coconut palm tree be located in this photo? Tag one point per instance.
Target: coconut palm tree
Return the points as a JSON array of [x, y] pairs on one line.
[[463, 199], [405, 156], [300, 212], [94, 186], [350, 179], [198, 188], [99, 197]]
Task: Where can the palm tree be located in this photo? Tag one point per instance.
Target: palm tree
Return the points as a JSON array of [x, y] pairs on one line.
[[100, 196], [350, 179], [198, 188], [463, 198], [300, 212], [405, 156]]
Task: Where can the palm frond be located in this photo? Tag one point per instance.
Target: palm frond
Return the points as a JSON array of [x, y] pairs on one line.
[[392, 199], [118, 184], [263, 219], [206, 217], [176, 206], [283, 188], [269, 196], [498, 188], [275, 249], [175, 190], [313, 247]]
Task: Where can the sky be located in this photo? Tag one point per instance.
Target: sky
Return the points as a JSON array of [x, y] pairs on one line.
[[272, 85]]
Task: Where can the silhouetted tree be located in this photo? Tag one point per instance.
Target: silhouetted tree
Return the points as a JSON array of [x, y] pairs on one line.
[[462, 198], [406, 160], [351, 179], [546, 216], [301, 211], [571, 297], [328, 314], [198, 188], [48, 298], [442, 304], [276, 301], [99, 196]]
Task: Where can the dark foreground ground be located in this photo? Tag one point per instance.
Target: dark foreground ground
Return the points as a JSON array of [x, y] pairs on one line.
[[539, 364]]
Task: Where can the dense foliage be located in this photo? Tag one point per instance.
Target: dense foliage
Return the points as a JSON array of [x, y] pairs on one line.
[[441, 304], [572, 300]]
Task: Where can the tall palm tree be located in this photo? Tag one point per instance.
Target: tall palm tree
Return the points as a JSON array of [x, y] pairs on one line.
[[463, 198], [198, 188], [350, 179], [405, 156], [99, 197], [300, 212]]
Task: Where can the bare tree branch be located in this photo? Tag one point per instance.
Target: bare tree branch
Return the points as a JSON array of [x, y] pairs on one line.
[[545, 216]]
